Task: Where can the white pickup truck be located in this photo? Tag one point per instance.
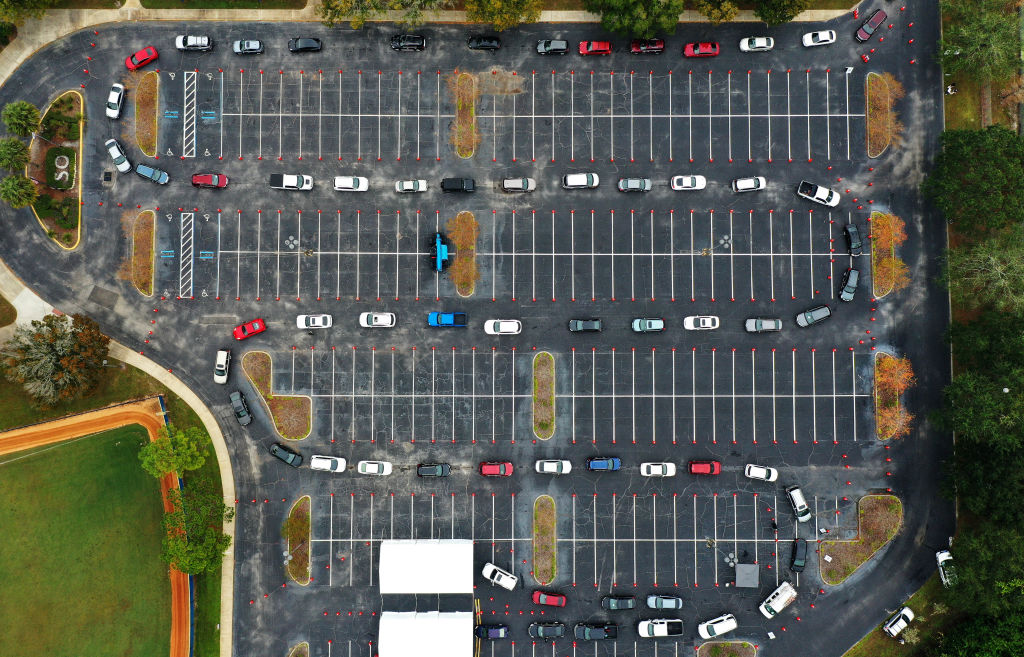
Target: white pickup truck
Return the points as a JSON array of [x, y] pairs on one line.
[[291, 181], [818, 194]]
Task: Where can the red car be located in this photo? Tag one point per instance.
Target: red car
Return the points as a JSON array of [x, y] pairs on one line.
[[701, 50], [141, 58], [550, 599], [250, 329], [496, 469], [209, 180], [647, 46], [595, 47], [705, 467]]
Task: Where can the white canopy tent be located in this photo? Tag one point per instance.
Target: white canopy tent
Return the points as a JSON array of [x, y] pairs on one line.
[[426, 566], [428, 634]]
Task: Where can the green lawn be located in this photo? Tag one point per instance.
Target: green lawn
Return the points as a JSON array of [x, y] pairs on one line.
[[207, 611], [223, 4], [80, 558]]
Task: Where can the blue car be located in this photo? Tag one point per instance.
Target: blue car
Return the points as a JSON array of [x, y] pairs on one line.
[[603, 463], [439, 257]]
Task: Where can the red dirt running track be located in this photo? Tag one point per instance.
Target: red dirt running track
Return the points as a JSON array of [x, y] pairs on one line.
[[147, 413]]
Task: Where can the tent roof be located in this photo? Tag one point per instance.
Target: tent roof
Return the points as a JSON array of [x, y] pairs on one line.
[[430, 634], [426, 566]]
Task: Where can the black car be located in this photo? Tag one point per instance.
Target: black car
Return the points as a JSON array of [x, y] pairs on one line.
[[585, 325], [552, 47], [848, 285], [482, 42], [547, 631], [799, 558], [618, 602], [286, 455], [854, 244], [596, 631], [240, 408], [491, 631], [305, 44], [433, 470], [458, 185], [408, 42]]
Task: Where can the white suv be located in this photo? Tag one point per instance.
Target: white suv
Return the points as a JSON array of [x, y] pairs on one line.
[[502, 578], [221, 366], [580, 181]]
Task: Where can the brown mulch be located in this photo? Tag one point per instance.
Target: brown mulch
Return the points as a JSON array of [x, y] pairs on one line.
[[140, 266], [727, 649], [545, 531], [499, 82], [884, 128], [464, 134], [463, 230], [544, 395], [298, 567], [880, 517], [37, 171], [291, 414], [301, 650], [147, 96]]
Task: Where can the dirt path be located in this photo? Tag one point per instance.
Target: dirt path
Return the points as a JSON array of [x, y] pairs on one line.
[[148, 414]]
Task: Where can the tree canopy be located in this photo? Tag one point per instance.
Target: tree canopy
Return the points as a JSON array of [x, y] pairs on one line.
[[15, 11], [18, 191], [984, 636], [979, 38], [56, 358], [639, 19], [13, 154], [989, 570], [194, 540], [21, 117], [176, 450], [503, 14], [333, 12], [717, 11], [776, 12]]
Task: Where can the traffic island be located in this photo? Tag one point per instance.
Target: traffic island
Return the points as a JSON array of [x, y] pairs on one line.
[[892, 378], [463, 231], [300, 650], [140, 266], [884, 128], [464, 136], [291, 414], [54, 153], [727, 649], [879, 517], [147, 99], [888, 273], [296, 530], [545, 532], [543, 395]]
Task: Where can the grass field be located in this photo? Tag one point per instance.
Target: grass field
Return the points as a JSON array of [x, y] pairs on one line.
[[80, 560]]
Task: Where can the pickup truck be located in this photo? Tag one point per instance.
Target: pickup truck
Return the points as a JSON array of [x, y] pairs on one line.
[[447, 319], [291, 181], [596, 631], [818, 194]]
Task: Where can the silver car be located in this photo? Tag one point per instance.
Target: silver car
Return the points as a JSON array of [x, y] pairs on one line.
[[518, 185], [634, 184], [248, 47], [117, 155], [762, 324]]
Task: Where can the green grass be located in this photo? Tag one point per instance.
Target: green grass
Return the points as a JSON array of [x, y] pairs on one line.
[[223, 4], [7, 312], [80, 559], [86, 4], [963, 109], [207, 599]]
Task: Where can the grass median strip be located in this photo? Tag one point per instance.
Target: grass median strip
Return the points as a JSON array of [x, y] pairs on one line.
[[545, 531], [879, 518], [140, 266], [296, 530], [543, 395], [147, 100], [291, 414], [727, 649], [463, 230]]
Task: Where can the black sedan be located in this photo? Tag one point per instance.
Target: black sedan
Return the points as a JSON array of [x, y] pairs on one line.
[[305, 44]]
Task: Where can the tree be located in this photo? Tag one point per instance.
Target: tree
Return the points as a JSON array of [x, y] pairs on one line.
[[14, 11], [990, 332], [194, 540], [13, 154], [980, 635], [56, 358], [990, 273], [987, 565], [891, 274], [976, 179], [777, 12], [332, 12], [18, 191], [21, 117], [982, 415], [979, 39], [641, 19], [717, 11], [175, 451], [503, 14]]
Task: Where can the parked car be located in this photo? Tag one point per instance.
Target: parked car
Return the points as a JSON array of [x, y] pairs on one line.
[[552, 47], [870, 25], [854, 244], [159, 176], [798, 560], [408, 42], [634, 184], [247, 47], [658, 469], [117, 154], [618, 602], [433, 470], [221, 365], [458, 185], [749, 184], [756, 44], [503, 327], [820, 38], [596, 631], [580, 181], [499, 576], [351, 184], [848, 284], [813, 315], [518, 184], [114, 101], [760, 472], [496, 468], [801, 509], [483, 42], [585, 325], [491, 631], [291, 181], [717, 626], [547, 631], [553, 466], [319, 321], [763, 324], [440, 250], [209, 180], [305, 44], [377, 320], [193, 42], [648, 325], [688, 183], [603, 463], [453, 320], [240, 408], [664, 602], [410, 186], [702, 49], [647, 46], [899, 621], [327, 463], [378, 468], [249, 329], [660, 627], [549, 599], [595, 47], [145, 56], [700, 323], [288, 456], [705, 467], [947, 572]]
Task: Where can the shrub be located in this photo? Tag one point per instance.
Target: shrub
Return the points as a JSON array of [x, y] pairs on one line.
[[67, 216], [51, 167]]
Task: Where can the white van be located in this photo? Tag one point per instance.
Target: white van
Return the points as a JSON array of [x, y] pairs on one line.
[[800, 508], [780, 598], [580, 181]]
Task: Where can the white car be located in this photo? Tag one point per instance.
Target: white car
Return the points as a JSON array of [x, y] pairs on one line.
[[314, 321], [898, 622], [503, 327], [749, 184], [822, 38], [660, 627], [409, 186], [327, 463], [221, 366], [760, 472], [688, 183], [717, 626], [756, 44], [658, 469], [380, 468], [351, 184], [553, 466], [947, 573], [498, 576], [377, 320], [117, 155], [700, 322], [114, 100]]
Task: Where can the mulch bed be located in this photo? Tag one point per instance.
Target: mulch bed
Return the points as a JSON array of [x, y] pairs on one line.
[[298, 567], [727, 649], [463, 231], [464, 135], [58, 203], [147, 95], [544, 395], [291, 414], [545, 530], [881, 516], [139, 267]]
